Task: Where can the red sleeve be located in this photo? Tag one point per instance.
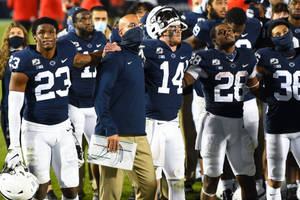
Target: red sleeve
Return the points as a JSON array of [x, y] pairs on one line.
[[51, 8], [10, 3], [23, 10], [88, 4], [237, 3]]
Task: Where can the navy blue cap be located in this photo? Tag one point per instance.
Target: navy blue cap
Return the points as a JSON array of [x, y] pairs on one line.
[[266, 3], [72, 10]]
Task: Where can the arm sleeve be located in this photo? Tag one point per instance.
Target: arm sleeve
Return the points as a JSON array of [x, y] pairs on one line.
[[15, 104], [108, 77]]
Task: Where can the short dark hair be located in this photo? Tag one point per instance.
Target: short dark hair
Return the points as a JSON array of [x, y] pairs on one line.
[[135, 6], [74, 16], [44, 20], [236, 15], [210, 2], [98, 8], [275, 23], [280, 7], [212, 32]]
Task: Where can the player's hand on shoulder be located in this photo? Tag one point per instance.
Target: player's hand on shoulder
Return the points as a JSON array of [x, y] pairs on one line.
[[113, 143], [111, 47], [13, 158]]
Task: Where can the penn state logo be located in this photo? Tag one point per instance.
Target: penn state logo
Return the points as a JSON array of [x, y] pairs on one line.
[[232, 65], [292, 64], [52, 63], [89, 45], [297, 30], [173, 55]]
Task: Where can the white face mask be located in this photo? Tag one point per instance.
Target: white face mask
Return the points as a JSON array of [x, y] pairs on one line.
[[197, 9], [100, 26]]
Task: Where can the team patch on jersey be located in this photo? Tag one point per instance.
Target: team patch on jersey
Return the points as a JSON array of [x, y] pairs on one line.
[[159, 50], [39, 67], [215, 62], [77, 45], [162, 57], [200, 19], [277, 66], [274, 61], [219, 67], [36, 61]]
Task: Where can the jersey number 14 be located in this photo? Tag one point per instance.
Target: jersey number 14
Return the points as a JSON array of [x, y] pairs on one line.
[[176, 80]]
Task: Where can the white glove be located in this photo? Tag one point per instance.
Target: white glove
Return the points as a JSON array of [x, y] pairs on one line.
[[14, 158]]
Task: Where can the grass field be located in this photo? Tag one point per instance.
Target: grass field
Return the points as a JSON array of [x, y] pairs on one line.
[[87, 188]]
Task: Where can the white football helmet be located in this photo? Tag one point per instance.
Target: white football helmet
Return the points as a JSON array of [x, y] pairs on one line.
[[160, 18], [18, 183]]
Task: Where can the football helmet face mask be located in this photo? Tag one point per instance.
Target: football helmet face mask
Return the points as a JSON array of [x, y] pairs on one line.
[[160, 18], [18, 183]]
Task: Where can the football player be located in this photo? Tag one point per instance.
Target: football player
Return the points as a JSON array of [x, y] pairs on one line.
[[166, 58], [81, 95], [41, 77], [279, 67], [294, 25], [224, 72], [247, 31]]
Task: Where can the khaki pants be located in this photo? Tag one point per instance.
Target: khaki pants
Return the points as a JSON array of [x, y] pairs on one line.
[[142, 175], [189, 134]]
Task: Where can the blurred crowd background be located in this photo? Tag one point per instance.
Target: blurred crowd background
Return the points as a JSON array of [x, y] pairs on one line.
[[29, 10]]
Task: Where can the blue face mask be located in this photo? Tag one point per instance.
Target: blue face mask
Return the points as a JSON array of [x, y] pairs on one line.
[[198, 9], [284, 44], [252, 12], [70, 26], [100, 26], [132, 38]]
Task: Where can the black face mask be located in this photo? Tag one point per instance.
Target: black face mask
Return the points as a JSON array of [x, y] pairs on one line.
[[132, 38], [16, 41]]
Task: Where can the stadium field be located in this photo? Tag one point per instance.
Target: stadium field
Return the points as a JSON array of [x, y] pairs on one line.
[[87, 187]]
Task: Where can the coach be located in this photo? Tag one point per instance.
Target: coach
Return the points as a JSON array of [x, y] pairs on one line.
[[120, 104]]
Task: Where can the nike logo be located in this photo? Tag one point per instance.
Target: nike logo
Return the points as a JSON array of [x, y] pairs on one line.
[[98, 45], [129, 62], [64, 60], [182, 57], [245, 65], [244, 35]]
